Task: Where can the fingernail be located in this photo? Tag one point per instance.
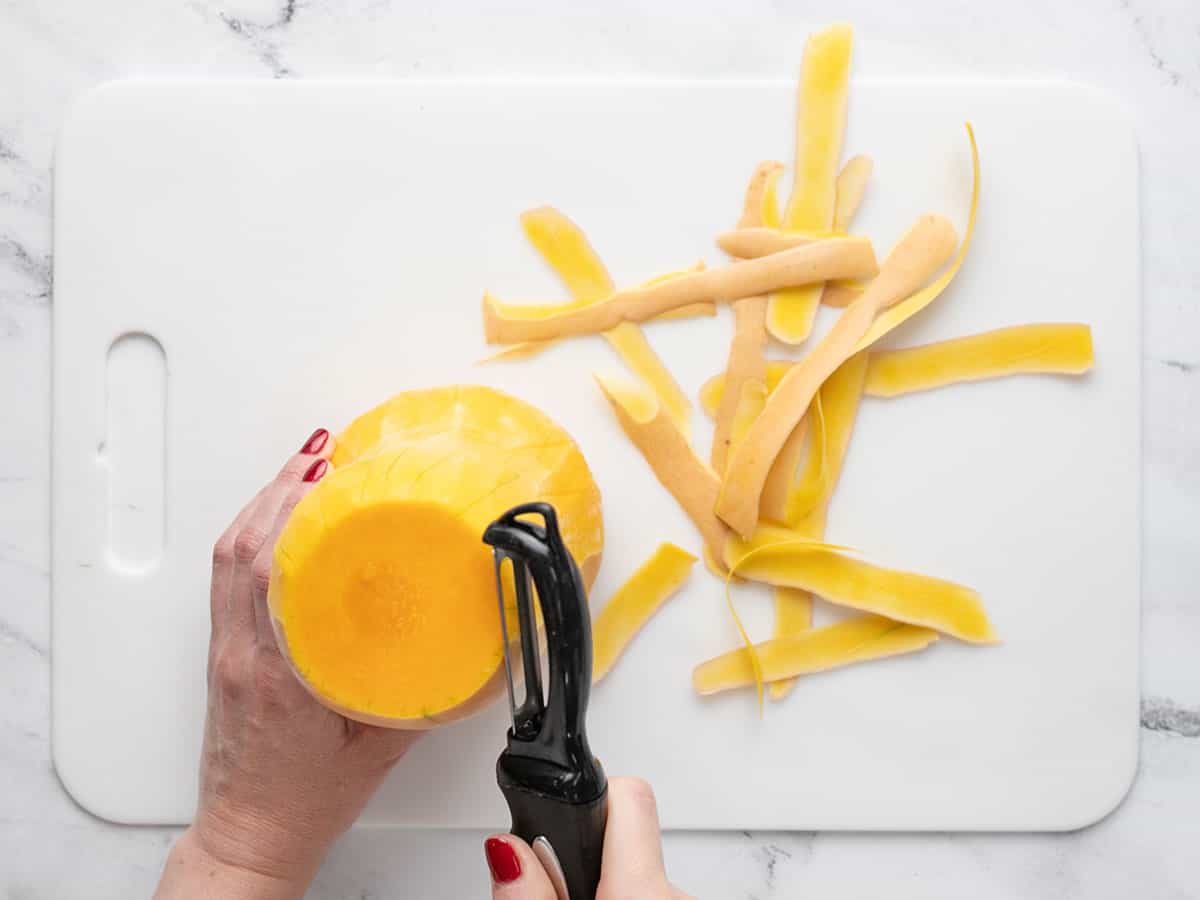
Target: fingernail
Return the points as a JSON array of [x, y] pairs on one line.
[[315, 443], [316, 471], [502, 860]]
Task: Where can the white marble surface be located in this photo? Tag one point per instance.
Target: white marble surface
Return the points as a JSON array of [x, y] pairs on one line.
[[1147, 52]]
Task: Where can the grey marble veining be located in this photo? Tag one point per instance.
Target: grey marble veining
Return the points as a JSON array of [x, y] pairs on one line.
[[1147, 52]]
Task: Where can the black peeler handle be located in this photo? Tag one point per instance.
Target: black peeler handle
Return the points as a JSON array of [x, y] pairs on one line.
[[573, 831]]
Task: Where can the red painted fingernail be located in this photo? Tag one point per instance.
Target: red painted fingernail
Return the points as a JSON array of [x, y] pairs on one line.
[[315, 443], [316, 471], [502, 860]]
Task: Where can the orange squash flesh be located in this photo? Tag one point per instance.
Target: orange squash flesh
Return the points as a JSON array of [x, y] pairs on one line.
[[382, 594]]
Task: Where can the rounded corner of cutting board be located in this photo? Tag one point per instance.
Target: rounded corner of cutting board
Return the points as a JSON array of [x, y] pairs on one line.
[[1106, 799], [81, 786]]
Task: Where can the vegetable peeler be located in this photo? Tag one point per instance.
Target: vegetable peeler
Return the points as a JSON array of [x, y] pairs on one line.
[[556, 790]]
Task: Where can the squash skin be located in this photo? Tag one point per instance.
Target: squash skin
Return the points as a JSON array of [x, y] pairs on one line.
[[461, 454]]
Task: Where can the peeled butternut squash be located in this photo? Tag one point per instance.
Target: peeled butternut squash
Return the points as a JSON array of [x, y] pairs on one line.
[[383, 594]]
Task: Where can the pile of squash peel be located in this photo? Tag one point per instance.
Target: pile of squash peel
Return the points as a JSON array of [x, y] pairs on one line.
[[782, 428]]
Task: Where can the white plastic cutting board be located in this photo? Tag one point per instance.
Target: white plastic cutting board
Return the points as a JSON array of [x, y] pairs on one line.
[[299, 251]]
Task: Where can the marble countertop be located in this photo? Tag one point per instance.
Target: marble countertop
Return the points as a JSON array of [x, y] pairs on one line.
[[1146, 52]]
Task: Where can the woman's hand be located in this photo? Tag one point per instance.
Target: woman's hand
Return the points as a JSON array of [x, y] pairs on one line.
[[281, 777], [632, 867]]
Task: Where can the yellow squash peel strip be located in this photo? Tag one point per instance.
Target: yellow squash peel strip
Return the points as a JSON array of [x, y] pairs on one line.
[[685, 476], [634, 602], [843, 257], [566, 249], [778, 557], [746, 362], [530, 349], [816, 650], [820, 125], [919, 254], [734, 562], [901, 312], [747, 359], [850, 187], [712, 392], [754, 238], [753, 399], [778, 485], [1055, 349], [838, 401], [836, 406], [754, 242]]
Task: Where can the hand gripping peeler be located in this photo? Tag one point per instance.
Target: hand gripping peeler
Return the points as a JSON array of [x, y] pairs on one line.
[[556, 790]]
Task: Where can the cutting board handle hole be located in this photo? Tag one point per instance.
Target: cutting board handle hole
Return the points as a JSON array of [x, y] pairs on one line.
[[134, 452]]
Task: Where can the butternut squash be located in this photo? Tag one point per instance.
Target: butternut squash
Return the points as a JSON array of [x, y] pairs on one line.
[[383, 595]]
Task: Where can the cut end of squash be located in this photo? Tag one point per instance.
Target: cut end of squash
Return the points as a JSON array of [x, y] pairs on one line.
[[392, 612]]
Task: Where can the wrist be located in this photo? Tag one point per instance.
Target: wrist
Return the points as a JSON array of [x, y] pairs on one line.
[[193, 870]]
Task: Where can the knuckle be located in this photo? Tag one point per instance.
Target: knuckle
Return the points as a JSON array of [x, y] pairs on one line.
[[270, 680], [294, 469], [222, 555], [247, 544], [260, 574], [229, 675]]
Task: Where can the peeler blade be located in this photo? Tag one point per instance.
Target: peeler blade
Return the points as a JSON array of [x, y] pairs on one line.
[[526, 716]]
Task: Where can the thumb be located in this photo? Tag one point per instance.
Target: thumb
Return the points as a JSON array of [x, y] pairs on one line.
[[632, 865], [516, 872]]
